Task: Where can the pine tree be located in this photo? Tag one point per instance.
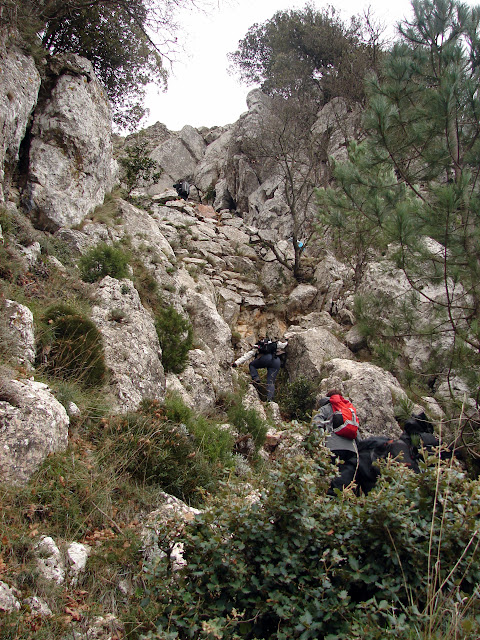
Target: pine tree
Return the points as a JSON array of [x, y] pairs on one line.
[[423, 125]]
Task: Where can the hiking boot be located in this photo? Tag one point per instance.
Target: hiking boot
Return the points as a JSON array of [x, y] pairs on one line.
[[260, 388]]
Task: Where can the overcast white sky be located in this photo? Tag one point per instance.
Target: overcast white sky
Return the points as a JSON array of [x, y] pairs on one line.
[[201, 92]]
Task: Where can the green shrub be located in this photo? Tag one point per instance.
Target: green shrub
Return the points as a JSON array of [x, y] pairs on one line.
[[158, 451], [297, 398], [71, 346], [247, 421], [175, 334], [103, 260], [296, 564], [215, 443]]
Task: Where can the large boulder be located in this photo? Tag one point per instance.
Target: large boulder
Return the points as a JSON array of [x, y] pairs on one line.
[[177, 157], [309, 349], [338, 123], [70, 162], [132, 349], [373, 391], [32, 425], [19, 86], [200, 382], [210, 328], [210, 169]]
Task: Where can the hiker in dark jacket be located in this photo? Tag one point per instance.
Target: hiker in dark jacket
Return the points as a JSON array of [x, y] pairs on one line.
[[341, 447], [267, 354], [182, 188], [418, 436]]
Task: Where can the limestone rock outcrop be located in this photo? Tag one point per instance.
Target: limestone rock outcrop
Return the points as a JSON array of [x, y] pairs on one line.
[[18, 331], [32, 425], [70, 155], [19, 86], [132, 350]]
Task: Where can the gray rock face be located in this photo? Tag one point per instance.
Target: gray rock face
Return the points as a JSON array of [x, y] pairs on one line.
[[19, 86], [301, 298], [310, 349], [339, 125], [178, 157], [8, 599], [18, 333], [71, 166], [132, 350], [32, 425], [209, 171], [372, 390], [200, 382], [210, 327]]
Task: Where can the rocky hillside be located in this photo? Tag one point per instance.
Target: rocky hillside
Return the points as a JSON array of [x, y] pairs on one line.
[[213, 259]]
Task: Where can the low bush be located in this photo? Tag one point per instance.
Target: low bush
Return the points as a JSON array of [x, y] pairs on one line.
[[103, 260], [215, 443], [138, 166], [70, 346], [246, 420], [296, 398], [183, 459], [399, 563]]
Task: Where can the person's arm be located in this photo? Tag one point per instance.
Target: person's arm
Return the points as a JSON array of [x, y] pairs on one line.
[[323, 418], [244, 358]]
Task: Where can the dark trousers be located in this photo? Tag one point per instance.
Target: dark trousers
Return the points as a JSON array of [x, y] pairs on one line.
[[271, 363], [347, 469]]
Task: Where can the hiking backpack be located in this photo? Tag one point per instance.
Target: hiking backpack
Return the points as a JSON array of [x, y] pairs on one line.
[[266, 346], [345, 421]]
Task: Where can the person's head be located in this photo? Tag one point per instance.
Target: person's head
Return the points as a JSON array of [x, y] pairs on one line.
[[333, 392]]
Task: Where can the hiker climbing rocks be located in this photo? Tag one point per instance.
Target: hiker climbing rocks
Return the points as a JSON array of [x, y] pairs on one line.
[[268, 355], [338, 418], [182, 188], [417, 439]]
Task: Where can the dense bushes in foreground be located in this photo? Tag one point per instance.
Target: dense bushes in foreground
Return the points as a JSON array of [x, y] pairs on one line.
[[401, 562]]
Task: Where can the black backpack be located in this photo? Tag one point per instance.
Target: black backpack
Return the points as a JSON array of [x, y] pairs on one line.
[[266, 346]]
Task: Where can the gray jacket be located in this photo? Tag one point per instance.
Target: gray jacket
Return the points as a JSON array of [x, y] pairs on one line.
[[323, 419]]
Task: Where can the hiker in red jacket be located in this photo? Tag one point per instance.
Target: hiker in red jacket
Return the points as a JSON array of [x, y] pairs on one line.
[[338, 418]]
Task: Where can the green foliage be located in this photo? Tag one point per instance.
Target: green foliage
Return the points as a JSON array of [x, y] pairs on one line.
[[175, 334], [308, 51], [103, 260], [353, 213], [71, 347], [296, 565], [214, 442], [138, 166], [296, 398], [247, 421], [155, 448], [124, 42], [424, 145]]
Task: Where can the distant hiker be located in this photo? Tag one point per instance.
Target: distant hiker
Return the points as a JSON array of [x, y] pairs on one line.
[[268, 355], [338, 418], [182, 188]]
